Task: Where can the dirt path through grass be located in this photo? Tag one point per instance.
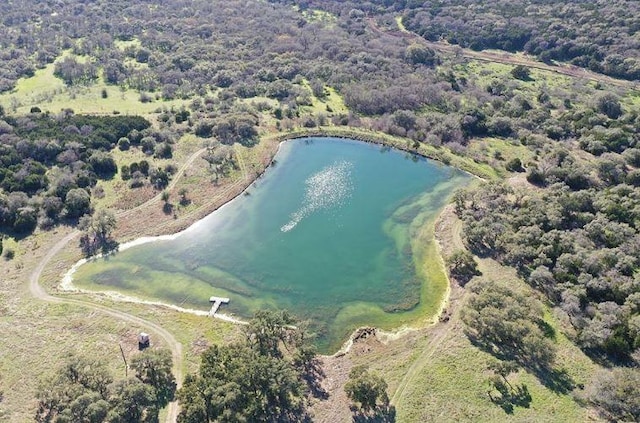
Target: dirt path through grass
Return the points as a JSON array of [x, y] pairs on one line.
[[507, 58], [176, 348], [449, 231]]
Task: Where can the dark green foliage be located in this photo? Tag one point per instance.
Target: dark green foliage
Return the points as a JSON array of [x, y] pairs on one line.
[[159, 178], [26, 220], [514, 165], [267, 329], [473, 123], [131, 400], [153, 368], [163, 151], [28, 177], [103, 129], [125, 172], [103, 164], [82, 390], [421, 55], [521, 72], [77, 202], [97, 231], [77, 145], [609, 104], [255, 380], [80, 386], [568, 31], [507, 324], [124, 144], [577, 247], [462, 266], [366, 389]]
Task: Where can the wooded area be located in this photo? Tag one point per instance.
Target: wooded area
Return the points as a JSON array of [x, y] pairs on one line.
[[242, 69]]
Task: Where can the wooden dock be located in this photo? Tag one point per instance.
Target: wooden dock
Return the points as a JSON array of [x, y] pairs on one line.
[[215, 304]]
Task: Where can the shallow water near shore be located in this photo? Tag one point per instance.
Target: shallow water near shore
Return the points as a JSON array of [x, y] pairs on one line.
[[337, 232]]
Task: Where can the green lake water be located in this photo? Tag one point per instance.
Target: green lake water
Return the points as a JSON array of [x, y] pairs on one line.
[[337, 232]]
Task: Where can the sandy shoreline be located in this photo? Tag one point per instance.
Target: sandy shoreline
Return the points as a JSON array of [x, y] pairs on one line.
[[66, 283]]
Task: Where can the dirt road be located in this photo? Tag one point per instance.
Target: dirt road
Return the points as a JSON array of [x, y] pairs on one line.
[[39, 292], [507, 58]]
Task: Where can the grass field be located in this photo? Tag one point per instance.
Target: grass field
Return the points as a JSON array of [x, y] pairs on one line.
[[438, 375], [49, 93]]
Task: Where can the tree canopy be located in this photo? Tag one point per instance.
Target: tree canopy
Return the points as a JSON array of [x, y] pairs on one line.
[[83, 390], [259, 379], [368, 390]]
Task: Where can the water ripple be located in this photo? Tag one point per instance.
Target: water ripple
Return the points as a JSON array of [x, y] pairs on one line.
[[325, 189]]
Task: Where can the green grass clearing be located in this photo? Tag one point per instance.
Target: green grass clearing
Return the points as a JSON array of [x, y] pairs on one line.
[[49, 93]]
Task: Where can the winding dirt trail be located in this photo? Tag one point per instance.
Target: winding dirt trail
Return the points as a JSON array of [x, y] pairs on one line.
[[506, 58], [440, 331], [38, 292], [424, 357], [172, 184]]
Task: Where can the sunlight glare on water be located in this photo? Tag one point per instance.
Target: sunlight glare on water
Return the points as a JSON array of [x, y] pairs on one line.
[[334, 233], [326, 189]]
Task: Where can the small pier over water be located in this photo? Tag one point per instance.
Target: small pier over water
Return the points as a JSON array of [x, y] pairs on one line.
[[215, 304]]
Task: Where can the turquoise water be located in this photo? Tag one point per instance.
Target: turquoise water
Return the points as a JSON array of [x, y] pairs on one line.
[[330, 233]]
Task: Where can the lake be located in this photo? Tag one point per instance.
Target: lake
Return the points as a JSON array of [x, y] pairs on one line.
[[338, 232]]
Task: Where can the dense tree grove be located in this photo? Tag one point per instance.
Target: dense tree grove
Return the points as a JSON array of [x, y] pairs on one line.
[[49, 163], [601, 36], [264, 378], [508, 324], [83, 390], [580, 248], [220, 54]]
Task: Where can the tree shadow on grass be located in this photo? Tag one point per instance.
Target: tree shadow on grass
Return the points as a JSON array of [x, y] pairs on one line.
[[313, 376], [510, 396], [381, 414], [557, 380]]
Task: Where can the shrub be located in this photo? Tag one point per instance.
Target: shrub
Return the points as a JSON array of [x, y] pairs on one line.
[[514, 165]]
